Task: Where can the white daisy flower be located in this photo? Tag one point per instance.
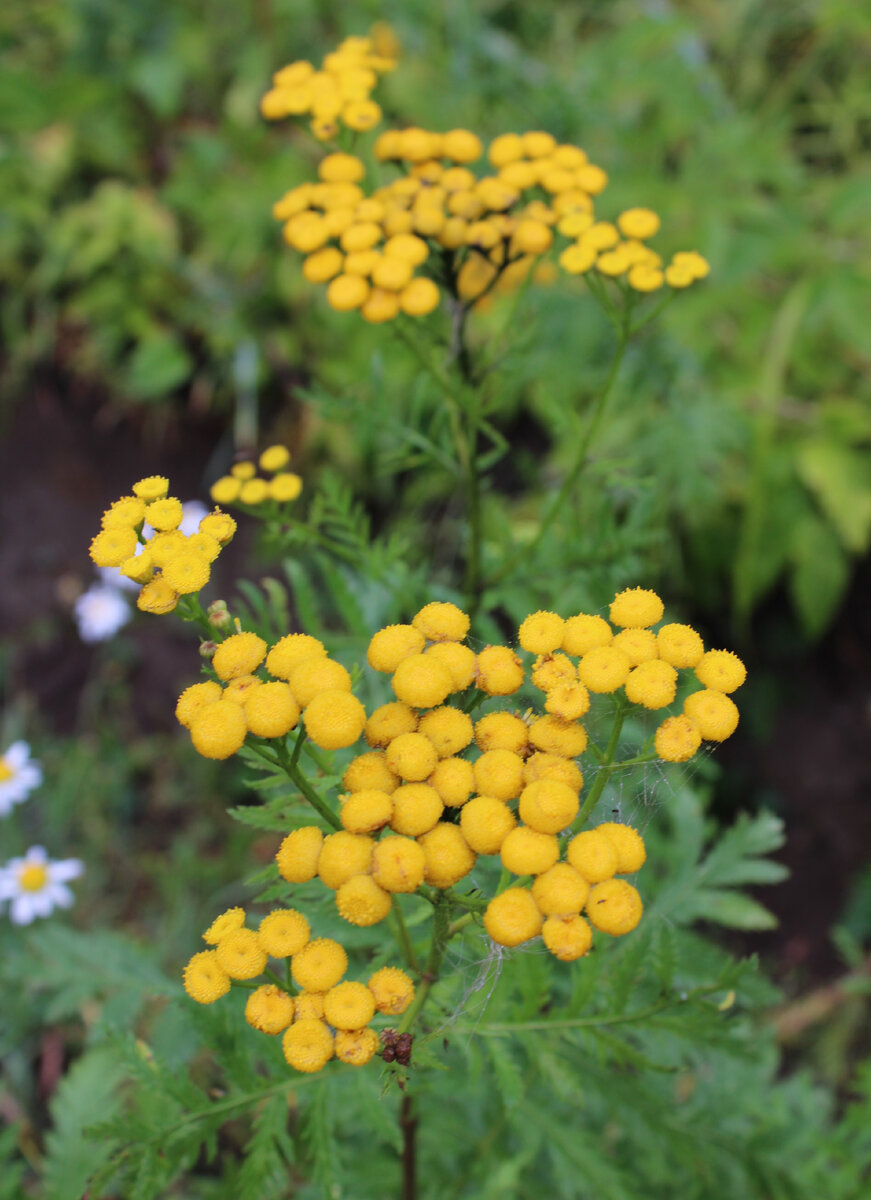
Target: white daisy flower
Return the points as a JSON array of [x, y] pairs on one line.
[[35, 886], [19, 775], [100, 612]]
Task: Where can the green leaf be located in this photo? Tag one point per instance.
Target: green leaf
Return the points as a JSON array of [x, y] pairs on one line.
[[840, 478], [158, 365], [84, 1095], [729, 908], [819, 575]]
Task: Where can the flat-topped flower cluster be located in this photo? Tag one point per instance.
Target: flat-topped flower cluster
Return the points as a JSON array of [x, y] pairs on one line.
[[319, 1013], [435, 221]]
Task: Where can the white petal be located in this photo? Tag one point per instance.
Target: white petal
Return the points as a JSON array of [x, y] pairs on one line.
[[68, 868], [35, 856], [193, 512], [21, 910], [17, 755], [60, 896]]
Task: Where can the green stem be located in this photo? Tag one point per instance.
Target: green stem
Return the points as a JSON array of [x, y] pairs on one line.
[[280, 983], [440, 937], [190, 609], [460, 924], [580, 460], [292, 769], [605, 770], [403, 938]]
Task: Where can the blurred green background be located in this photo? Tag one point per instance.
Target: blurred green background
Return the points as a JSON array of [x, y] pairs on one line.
[[152, 320]]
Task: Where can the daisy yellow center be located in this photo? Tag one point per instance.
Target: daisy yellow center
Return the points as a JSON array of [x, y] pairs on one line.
[[32, 878], [6, 771]]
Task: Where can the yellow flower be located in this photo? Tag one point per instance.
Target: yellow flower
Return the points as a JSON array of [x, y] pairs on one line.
[[458, 660], [227, 922], [349, 1005], [334, 719], [315, 675], [285, 487], [639, 644], [485, 823], [604, 669], [677, 739], [636, 608], [561, 891], [164, 515], [653, 684], [398, 864], [721, 670], [614, 907], [347, 292], [568, 701], [270, 710], [113, 546], [139, 567], [548, 806], [454, 780], [553, 766], [392, 991], [225, 490], [629, 845], [153, 487], [194, 698], [366, 810], [269, 1009], [499, 773], [502, 731], [240, 654], [512, 917], [307, 1045], [205, 980], [356, 1046], [342, 856], [219, 525], [241, 954], [553, 735], [585, 632], [421, 681], [370, 770], [449, 729], [362, 902], [187, 573], [541, 633], [713, 713], [290, 651], [593, 855], [525, 851], [283, 932], [419, 297], [125, 513], [157, 596], [679, 645], [274, 458], [499, 671], [645, 278], [416, 809], [441, 622], [639, 223], [319, 965], [298, 854], [218, 730], [387, 722], [568, 938]]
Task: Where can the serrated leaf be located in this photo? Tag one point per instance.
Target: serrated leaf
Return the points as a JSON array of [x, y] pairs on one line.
[[83, 1095], [840, 478], [732, 909]]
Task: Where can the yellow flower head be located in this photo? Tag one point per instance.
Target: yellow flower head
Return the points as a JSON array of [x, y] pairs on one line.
[[360, 901], [448, 729], [485, 823], [164, 515], [441, 622], [561, 891], [454, 780], [292, 650], [283, 932], [568, 938], [194, 698], [638, 223], [153, 487], [219, 525], [285, 487], [553, 766], [502, 731], [227, 922], [499, 671], [349, 1005], [254, 491], [553, 735], [721, 670], [342, 856], [398, 864], [636, 607], [677, 739], [459, 661], [126, 513], [386, 723], [316, 675], [604, 669], [499, 773], [593, 855], [187, 572], [417, 808], [512, 918], [319, 965], [585, 632], [713, 713], [298, 854], [307, 1045], [525, 851], [392, 990], [218, 729], [370, 771], [275, 457], [240, 654], [541, 633], [421, 681], [157, 596], [241, 954], [113, 546], [334, 719], [548, 806], [226, 489], [356, 1046], [629, 845], [389, 646], [269, 1009], [270, 709], [614, 907], [652, 685], [205, 980], [366, 810], [679, 645], [412, 757]]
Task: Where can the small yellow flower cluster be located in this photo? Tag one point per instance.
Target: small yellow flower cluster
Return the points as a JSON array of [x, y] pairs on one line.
[[168, 563], [244, 486], [485, 231], [563, 888], [328, 1016], [337, 94], [300, 677]]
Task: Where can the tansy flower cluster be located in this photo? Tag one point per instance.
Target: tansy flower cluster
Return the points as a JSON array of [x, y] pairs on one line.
[[440, 224], [320, 1014], [140, 535], [245, 487], [338, 94]]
